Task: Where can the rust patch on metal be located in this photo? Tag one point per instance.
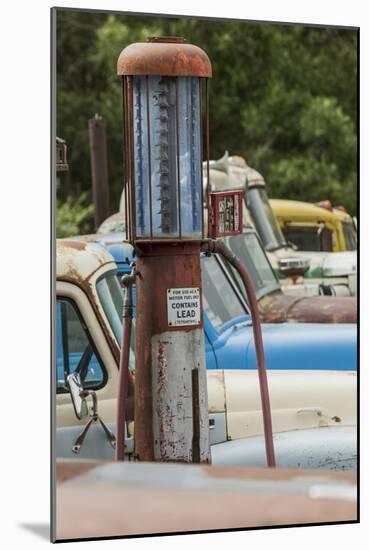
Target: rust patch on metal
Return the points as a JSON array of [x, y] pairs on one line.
[[73, 275], [164, 415], [275, 307], [164, 58], [324, 309], [68, 469], [70, 248], [182, 264], [90, 511], [162, 366], [278, 307], [77, 245], [162, 384]]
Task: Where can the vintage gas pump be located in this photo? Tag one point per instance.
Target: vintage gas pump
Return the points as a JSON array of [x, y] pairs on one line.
[[163, 137], [163, 81]]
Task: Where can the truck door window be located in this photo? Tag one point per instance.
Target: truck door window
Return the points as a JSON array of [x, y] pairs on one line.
[[309, 238], [111, 298], [264, 219], [221, 302], [74, 349]]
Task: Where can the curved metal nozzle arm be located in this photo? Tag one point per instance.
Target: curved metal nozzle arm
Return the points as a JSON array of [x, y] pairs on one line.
[[127, 314], [218, 246]]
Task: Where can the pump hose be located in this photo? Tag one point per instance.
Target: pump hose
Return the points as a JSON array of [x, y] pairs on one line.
[[220, 247], [127, 281]]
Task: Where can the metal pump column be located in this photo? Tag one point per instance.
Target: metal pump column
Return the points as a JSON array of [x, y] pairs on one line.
[[162, 91]]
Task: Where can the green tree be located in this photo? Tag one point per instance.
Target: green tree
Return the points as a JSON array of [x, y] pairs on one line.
[[282, 96], [73, 217]]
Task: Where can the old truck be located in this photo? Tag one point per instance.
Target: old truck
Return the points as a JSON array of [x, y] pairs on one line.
[[228, 325], [301, 273], [275, 306], [304, 399], [315, 227]]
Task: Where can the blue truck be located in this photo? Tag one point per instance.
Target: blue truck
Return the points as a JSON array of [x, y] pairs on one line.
[[228, 331]]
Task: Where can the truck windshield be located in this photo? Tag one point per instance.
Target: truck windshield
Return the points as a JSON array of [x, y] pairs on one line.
[[111, 298], [250, 251], [350, 236], [305, 238], [220, 300], [264, 219], [310, 238]]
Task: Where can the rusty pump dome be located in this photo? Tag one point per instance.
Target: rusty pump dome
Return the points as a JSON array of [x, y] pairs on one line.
[[165, 56]]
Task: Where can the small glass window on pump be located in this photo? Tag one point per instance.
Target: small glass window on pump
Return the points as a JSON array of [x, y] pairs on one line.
[[162, 83]]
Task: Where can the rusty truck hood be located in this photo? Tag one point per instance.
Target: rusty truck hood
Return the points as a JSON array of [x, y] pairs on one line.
[[76, 260], [278, 307]]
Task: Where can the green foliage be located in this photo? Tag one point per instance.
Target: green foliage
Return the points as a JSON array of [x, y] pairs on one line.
[[73, 217], [327, 169], [328, 131], [284, 97]]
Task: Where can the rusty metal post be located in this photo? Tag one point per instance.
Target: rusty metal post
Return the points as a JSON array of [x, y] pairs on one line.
[[171, 410], [162, 135], [99, 168]]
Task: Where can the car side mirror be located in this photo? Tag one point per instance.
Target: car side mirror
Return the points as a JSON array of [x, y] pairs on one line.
[[78, 395], [294, 267]]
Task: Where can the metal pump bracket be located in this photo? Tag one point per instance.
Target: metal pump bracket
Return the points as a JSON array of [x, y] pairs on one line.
[[225, 214]]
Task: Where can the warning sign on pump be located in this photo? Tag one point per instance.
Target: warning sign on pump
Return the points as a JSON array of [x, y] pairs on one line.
[[183, 306]]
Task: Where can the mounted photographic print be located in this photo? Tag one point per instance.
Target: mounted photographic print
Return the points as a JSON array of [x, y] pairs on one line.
[[205, 274]]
